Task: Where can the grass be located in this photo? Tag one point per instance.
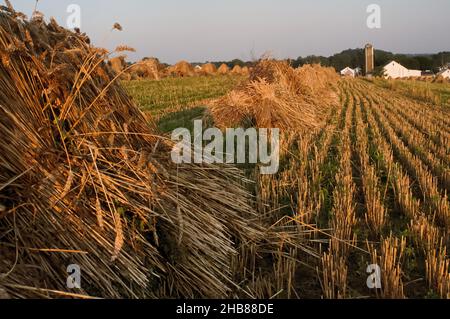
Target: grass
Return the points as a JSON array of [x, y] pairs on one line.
[[184, 118], [436, 93], [177, 102], [444, 90], [175, 94]]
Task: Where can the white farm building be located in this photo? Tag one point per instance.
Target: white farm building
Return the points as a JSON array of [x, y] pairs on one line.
[[444, 73], [395, 70], [348, 72]]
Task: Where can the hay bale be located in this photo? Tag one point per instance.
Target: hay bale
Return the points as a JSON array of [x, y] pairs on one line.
[[118, 64], [209, 69], [314, 80], [237, 69], [182, 69], [277, 96], [85, 177], [240, 70], [223, 69], [148, 68], [245, 70], [126, 76], [134, 76]]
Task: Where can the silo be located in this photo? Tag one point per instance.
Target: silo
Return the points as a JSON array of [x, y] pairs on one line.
[[370, 63]]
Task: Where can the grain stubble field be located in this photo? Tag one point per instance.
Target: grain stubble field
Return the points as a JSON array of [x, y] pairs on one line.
[[371, 185]]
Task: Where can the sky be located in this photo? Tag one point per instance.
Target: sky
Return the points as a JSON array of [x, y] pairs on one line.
[[217, 30]]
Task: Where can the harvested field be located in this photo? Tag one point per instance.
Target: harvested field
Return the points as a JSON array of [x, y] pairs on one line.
[[87, 178], [175, 94], [374, 178], [369, 184], [437, 93]]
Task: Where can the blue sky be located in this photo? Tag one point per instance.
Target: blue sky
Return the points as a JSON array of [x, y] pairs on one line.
[[202, 30]]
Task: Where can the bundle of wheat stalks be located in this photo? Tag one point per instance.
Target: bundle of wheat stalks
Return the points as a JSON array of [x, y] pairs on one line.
[[181, 69], [148, 68], [83, 180], [278, 96]]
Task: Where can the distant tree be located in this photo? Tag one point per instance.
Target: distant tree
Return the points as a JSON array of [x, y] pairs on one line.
[[236, 62], [383, 57], [378, 71], [425, 62], [440, 59]]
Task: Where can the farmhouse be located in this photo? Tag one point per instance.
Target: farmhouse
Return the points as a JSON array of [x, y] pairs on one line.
[[395, 70], [348, 72], [444, 74]]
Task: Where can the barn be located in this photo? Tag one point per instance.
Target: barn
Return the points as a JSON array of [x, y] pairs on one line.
[[395, 70], [444, 74], [348, 72]]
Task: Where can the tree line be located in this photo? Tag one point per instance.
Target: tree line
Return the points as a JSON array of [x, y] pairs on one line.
[[355, 58]]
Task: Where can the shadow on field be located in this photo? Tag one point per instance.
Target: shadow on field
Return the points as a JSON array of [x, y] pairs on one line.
[[181, 119]]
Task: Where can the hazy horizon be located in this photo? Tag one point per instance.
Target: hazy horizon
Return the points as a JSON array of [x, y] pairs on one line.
[[201, 30]]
